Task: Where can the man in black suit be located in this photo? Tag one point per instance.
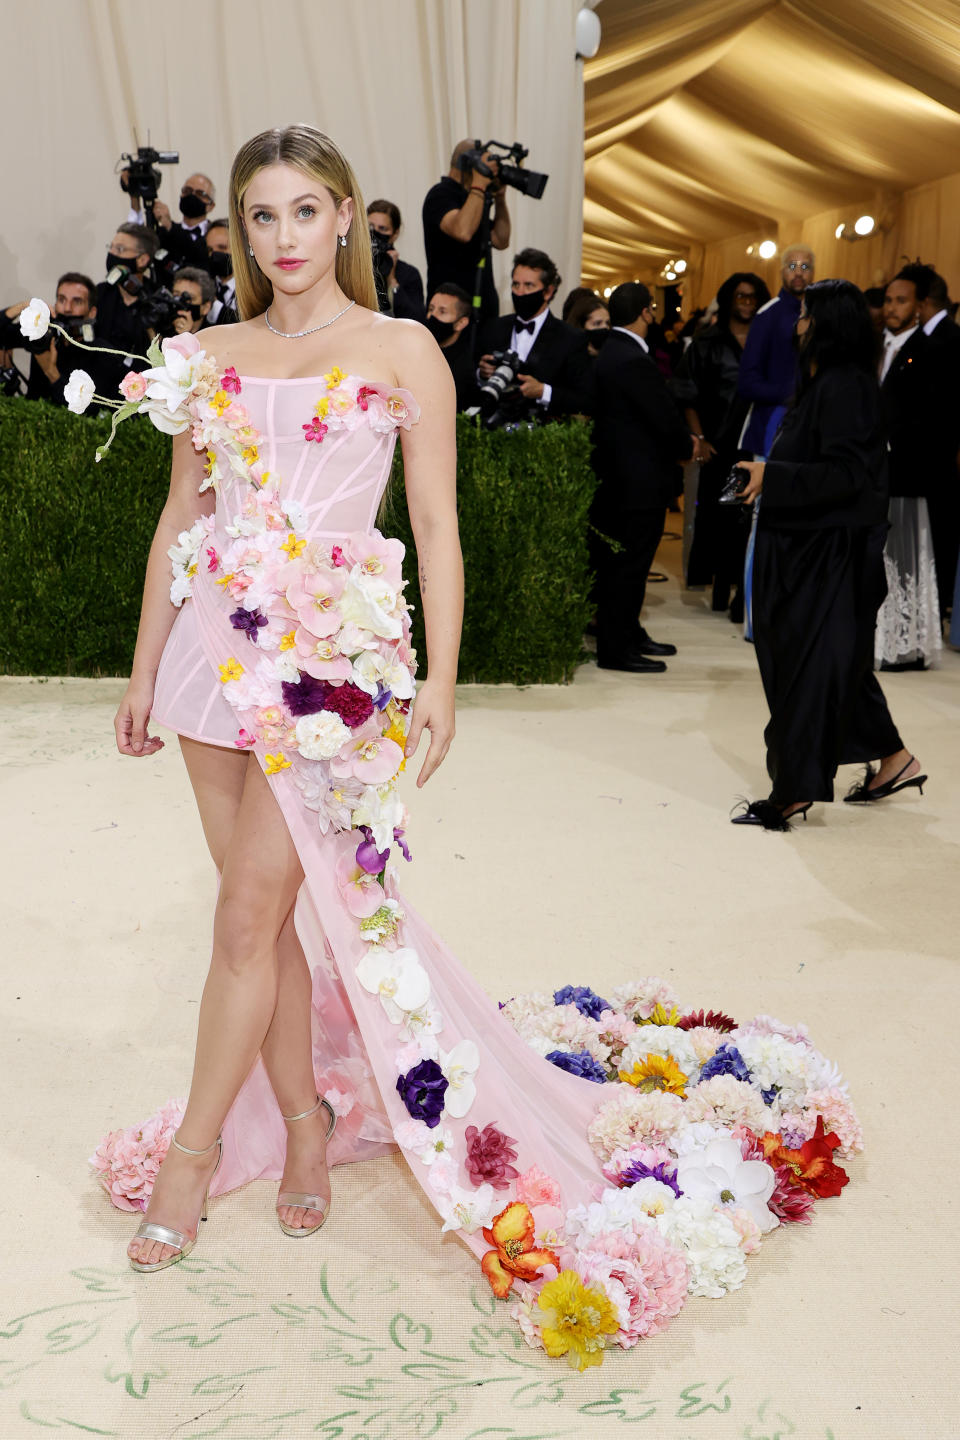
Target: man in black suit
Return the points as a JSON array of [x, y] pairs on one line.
[[639, 437], [556, 374], [185, 239], [938, 360]]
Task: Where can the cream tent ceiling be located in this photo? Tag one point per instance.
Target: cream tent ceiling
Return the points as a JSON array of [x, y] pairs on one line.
[[707, 119]]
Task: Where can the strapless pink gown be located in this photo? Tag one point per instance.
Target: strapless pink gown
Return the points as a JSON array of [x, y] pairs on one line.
[[358, 1050]]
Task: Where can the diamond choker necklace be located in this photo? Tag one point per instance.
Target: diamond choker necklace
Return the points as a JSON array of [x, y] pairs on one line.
[[298, 334]]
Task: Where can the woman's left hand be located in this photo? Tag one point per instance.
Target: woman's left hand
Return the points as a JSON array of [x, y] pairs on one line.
[[433, 709], [754, 469]]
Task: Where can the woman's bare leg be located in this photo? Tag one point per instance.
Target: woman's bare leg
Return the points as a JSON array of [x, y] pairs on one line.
[[287, 1052], [261, 874]]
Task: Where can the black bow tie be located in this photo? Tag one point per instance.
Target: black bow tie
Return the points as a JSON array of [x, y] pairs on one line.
[[525, 325]]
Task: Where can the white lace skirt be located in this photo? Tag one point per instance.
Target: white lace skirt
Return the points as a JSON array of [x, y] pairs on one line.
[[908, 625]]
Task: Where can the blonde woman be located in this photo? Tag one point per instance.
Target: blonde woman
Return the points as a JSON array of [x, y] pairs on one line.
[[287, 675]]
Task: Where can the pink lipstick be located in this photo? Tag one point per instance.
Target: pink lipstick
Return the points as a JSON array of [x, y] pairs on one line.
[[290, 264]]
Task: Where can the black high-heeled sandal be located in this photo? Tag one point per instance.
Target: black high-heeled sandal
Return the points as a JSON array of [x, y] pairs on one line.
[[770, 816], [862, 793]]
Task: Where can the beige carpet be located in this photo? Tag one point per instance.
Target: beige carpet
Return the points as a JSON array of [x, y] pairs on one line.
[[574, 835]]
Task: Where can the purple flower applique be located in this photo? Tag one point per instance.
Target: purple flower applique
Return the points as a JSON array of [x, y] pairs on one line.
[[305, 697], [583, 1065], [636, 1170], [490, 1154], [584, 998], [422, 1090], [726, 1060], [250, 621]]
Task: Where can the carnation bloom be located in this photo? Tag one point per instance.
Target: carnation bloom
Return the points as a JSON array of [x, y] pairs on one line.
[[576, 1320], [534, 1187], [726, 1101], [489, 1158], [631, 1117], [645, 1277], [656, 1072], [512, 1233]]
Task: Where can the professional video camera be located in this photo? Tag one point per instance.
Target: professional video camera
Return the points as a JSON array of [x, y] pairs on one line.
[[528, 182], [502, 403], [139, 179]]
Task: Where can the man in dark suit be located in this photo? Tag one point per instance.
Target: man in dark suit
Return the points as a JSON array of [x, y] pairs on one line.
[[556, 374], [639, 437], [938, 360]]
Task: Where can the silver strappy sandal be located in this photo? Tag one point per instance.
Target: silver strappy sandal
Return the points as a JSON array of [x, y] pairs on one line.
[[294, 1197], [162, 1233]]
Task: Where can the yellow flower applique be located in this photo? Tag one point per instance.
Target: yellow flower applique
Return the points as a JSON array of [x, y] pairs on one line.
[[276, 763], [293, 546], [322, 407], [251, 454], [227, 578], [221, 401], [289, 640], [334, 378], [231, 671]]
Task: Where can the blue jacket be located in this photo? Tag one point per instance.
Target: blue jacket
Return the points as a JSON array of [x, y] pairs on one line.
[[768, 370]]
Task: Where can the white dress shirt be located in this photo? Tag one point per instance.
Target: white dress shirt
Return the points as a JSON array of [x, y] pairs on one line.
[[891, 344], [933, 322], [523, 342]]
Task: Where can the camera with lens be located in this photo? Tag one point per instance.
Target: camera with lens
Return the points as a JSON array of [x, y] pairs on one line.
[[502, 402], [528, 182], [160, 308], [734, 486], [141, 179]]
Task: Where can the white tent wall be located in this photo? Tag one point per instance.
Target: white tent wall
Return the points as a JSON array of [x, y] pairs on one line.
[[396, 83]]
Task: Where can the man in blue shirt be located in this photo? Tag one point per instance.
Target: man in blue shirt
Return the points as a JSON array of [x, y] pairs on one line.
[[769, 365], [768, 373]]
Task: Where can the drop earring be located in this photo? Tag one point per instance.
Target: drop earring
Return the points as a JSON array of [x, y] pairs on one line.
[[343, 239], [250, 249]]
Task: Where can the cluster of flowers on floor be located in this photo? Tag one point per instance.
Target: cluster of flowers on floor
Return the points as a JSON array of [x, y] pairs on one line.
[[710, 1134]]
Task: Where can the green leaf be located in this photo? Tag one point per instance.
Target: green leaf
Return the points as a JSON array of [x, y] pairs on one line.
[[406, 1334]]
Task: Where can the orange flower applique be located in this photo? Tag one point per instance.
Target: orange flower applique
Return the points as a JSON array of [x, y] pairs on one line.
[[513, 1233], [811, 1167]]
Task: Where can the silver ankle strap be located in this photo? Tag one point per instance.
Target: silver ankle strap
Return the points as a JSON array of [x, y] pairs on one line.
[[186, 1151], [321, 1104]]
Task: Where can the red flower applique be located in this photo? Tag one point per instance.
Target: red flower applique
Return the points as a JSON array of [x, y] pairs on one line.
[[714, 1018], [489, 1156], [363, 396], [336, 555], [230, 381], [811, 1167], [315, 430]]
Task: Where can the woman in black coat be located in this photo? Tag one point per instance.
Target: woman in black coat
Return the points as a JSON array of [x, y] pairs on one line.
[[818, 571]]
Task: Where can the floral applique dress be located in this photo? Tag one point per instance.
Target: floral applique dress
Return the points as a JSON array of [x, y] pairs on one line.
[[645, 1162]]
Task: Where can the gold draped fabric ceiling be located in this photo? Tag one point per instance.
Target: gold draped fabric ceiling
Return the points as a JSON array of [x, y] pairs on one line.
[[712, 125]]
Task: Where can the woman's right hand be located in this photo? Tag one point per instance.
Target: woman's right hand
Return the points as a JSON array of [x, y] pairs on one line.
[[130, 722]]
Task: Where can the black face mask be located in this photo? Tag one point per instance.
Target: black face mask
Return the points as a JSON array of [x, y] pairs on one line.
[[121, 262], [441, 330], [598, 338], [526, 306], [192, 207], [220, 263]]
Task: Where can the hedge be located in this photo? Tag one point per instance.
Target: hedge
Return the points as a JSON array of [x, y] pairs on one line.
[[74, 538]]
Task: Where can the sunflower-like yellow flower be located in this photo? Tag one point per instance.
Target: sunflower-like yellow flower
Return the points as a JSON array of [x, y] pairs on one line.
[[656, 1072], [293, 546], [576, 1320], [334, 377], [276, 763], [221, 401], [231, 671], [289, 640], [659, 1016]]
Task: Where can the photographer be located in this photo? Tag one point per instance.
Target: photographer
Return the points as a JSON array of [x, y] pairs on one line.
[[121, 319], [219, 264], [448, 320], [398, 283], [186, 241], [195, 292], [52, 357], [453, 210], [555, 371]]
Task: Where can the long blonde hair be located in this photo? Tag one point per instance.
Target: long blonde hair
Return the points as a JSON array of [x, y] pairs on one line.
[[319, 158]]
